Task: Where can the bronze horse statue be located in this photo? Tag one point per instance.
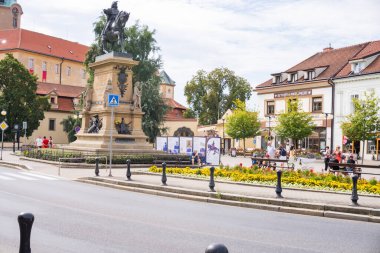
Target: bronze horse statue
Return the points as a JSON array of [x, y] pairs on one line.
[[113, 33]]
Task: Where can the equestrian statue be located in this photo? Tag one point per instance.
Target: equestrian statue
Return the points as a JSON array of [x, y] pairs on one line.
[[113, 31]]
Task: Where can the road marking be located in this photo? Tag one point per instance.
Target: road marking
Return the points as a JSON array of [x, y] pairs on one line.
[[6, 178], [19, 176], [39, 176]]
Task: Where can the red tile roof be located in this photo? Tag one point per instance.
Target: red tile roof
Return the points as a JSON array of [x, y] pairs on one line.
[[65, 104], [174, 104], [42, 44], [372, 48], [334, 60], [61, 90], [373, 67]]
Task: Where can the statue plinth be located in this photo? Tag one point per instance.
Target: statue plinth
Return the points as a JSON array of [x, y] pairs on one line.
[[112, 75]]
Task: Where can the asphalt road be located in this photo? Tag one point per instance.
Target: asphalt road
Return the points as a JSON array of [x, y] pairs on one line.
[[76, 217]]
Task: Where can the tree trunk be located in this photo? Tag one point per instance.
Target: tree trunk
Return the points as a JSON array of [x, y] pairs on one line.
[[363, 152], [244, 147]]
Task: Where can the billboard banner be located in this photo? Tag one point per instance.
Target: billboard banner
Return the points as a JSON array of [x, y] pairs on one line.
[[186, 145], [173, 145], [199, 145], [162, 144], [213, 151]]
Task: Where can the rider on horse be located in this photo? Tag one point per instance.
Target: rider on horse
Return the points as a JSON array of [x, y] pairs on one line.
[[111, 14]]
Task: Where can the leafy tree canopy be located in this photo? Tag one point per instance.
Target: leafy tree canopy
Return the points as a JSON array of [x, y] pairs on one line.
[[362, 124], [242, 124], [69, 125], [294, 124], [18, 95], [140, 42], [210, 95]]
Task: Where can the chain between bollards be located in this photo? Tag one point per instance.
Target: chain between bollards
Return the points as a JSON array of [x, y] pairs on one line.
[[354, 197], [212, 182], [163, 178], [216, 248], [278, 186], [129, 169], [25, 221], [97, 166]]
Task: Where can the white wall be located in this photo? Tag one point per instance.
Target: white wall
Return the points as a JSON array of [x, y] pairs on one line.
[[344, 89]]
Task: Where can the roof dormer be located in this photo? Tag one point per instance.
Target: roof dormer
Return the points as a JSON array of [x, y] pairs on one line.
[[357, 66], [276, 78]]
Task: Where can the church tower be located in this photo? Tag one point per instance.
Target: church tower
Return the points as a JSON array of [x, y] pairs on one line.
[[10, 14]]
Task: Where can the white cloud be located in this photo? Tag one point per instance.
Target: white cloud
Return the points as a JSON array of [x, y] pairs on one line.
[[252, 38]]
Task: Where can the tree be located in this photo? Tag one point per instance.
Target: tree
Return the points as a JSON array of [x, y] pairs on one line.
[[242, 124], [69, 125], [362, 124], [18, 96], [294, 124], [210, 95], [140, 43]]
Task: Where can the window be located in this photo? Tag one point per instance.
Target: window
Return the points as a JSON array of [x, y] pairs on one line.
[[270, 107], [68, 71], [276, 79], [169, 91], [56, 68], [358, 67], [14, 22], [310, 75], [52, 100], [51, 124], [355, 96], [44, 66], [317, 104], [293, 78], [31, 64], [83, 74]]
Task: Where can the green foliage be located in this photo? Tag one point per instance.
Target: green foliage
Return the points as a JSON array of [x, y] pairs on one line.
[[210, 95], [189, 114], [69, 125], [363, 122], [294, 124], [140, 42], [18, 96], [242, 124]]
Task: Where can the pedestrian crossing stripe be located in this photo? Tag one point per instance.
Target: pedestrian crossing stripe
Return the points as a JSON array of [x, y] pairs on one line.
[[113, 100], [25, 176]]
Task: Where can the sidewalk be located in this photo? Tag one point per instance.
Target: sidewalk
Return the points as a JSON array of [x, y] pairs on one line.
[[200, 187]]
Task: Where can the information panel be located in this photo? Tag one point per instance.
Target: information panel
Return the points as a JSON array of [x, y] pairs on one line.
[[186, 145], [162, 144], [173, 145], [213, 151]]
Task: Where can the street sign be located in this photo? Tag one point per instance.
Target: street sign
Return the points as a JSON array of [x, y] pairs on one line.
[[113, 100], [24, 125], [3, 126]]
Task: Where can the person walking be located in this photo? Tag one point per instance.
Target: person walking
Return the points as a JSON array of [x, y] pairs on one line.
[[327, 157], [338, 154], [39, 142], [271, 151], [292, 157], [45, 142], [50, 142]]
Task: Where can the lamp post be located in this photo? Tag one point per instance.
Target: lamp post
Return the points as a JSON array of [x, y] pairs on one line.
[[269, 136], [4, 114], [326, 115], [224, 142]]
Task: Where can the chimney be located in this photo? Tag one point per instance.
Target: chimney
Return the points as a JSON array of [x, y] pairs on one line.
[[326, 49]]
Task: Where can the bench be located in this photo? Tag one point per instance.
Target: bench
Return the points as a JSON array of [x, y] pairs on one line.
[[272, 162], [354, 168], [172, 162]]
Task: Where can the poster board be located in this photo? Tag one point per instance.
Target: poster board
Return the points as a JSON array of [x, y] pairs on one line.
[[173, 145], [213, 151], [162, 144], [199, 145], [186, 145]]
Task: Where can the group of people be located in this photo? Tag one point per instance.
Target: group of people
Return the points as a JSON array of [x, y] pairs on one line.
[[44, 142], [336, 157]]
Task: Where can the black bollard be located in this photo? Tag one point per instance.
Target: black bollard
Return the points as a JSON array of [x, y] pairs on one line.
[[216, 248], [212, 182], [97, 166], [25, 221], [354, 197], [129, 169], [163, 178], [278, 186]]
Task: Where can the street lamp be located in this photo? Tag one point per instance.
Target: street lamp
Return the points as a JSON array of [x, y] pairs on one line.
[[269, 136], [4, 114], [326, 114], [224, 143]]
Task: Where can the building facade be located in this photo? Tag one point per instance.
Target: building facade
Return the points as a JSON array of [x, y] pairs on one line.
[[10, 14], [312, 83]]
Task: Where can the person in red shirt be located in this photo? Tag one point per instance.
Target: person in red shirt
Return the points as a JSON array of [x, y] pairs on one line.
[[338, 154], [45, 143]]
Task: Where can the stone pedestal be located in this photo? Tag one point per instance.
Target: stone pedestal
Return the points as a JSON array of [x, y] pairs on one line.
[[108, 80]]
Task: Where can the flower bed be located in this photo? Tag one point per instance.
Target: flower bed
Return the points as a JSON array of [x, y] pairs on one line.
[[298, 178]]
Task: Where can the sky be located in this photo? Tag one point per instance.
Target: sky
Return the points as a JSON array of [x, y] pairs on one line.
[[253, 38]]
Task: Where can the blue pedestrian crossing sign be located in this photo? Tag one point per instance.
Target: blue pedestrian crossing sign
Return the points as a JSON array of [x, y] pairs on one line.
[[113, 100]]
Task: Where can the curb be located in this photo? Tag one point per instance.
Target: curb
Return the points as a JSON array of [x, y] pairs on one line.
[[270, 204], [15, 166]]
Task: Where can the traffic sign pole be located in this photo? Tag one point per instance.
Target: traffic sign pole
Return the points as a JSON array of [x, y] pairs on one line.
[[113, 101], [110, 174], [2, 144]]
